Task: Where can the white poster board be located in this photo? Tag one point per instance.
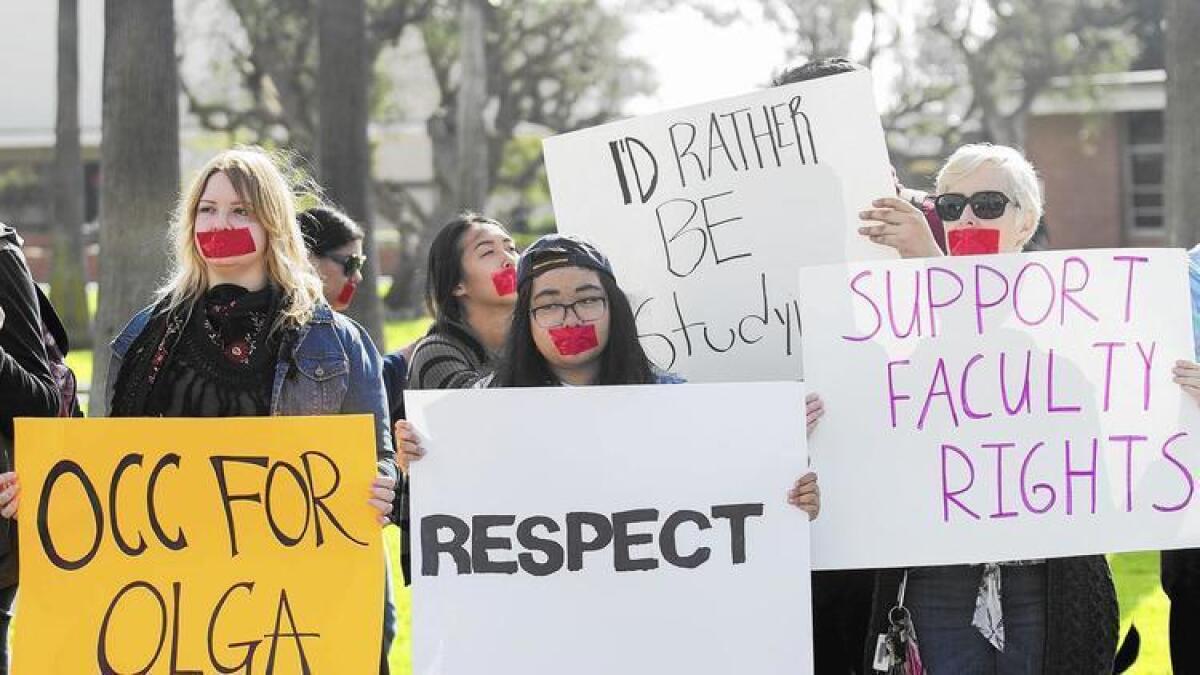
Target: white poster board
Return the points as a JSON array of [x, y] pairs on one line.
[[708, 211], [652, 557], [1002, 407]]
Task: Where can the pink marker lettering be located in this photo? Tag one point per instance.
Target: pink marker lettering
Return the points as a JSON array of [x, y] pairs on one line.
[[1183, 470]]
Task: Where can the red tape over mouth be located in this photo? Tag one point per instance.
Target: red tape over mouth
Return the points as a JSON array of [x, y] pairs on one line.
[[505, 281], [974, 241], [225, 243], [347, 293], [572, 340]]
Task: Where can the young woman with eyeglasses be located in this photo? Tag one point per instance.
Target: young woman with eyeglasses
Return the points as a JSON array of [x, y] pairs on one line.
[[1000, 618], [335, 248], [573, 326]]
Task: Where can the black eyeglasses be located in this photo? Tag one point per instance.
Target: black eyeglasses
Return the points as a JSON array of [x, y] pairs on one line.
[[986, 205], [350, 263], [586, 310]]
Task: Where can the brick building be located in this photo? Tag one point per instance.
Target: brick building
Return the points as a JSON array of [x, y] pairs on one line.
[[1101, 159]]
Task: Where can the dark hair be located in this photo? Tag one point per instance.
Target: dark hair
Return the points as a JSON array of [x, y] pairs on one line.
[[325, 229], [623, 360], [443, 271], [816, 69]]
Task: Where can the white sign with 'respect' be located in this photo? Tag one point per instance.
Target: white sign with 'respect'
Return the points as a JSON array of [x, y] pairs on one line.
[[600, 530]]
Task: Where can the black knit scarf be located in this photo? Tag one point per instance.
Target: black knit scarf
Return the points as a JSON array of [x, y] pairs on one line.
[[214, 358]]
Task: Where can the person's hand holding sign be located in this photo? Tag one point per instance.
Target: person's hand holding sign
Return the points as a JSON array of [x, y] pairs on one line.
[[900, 225], [408, 445], [10, 492], [383, 493], [814, 410], [806, 495], [1187, 375]]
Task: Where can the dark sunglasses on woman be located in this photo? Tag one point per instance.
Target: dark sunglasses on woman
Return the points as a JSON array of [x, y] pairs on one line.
[[986, 205], [350, 263]]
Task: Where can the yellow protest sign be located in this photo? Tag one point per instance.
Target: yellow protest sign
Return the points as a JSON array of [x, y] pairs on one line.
[[190, 546]]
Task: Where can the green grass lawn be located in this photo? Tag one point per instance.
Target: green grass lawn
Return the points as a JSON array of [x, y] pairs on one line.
[[1138, 591], [399, 658], [1143, 602]]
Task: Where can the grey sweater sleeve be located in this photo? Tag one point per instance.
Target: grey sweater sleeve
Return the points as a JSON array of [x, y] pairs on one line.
[[439, 362]]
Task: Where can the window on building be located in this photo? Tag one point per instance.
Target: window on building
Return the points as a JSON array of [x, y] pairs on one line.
[[1144, 171]]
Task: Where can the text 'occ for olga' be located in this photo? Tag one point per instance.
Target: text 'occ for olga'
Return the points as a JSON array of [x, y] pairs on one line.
[[195, 546]]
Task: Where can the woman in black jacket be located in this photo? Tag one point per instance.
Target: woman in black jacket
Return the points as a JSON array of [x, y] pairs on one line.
[[1025, 617], [27, 389]]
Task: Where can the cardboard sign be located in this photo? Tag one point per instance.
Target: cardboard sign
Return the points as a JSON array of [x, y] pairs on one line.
[[708, 211], [1002, 407], [598, 530], [187, 546]]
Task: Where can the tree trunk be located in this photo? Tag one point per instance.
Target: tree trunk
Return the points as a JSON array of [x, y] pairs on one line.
[[139, 166], [472, 184], [1183, 110], [343, 152], [67, 274]]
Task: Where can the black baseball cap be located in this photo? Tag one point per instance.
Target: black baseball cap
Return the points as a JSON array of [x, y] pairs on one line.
[[560, 250]]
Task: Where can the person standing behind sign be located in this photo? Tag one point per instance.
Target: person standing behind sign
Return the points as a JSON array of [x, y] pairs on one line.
[[1027, 617], [573, 326], [841, 598], [335, 249], [1181, 569], [240, 328], [27, 389], [470, 289]]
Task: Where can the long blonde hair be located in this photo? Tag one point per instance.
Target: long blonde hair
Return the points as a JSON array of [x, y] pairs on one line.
[[260, 182]]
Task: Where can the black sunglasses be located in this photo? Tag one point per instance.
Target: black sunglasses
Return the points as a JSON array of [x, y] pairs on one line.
[[350, 263], [986, 205]]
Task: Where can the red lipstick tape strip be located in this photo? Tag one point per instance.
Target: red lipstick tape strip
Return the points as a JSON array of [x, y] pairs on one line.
[[505, 281], [225, 243], [572, 340], [347, 294], [974, 241]]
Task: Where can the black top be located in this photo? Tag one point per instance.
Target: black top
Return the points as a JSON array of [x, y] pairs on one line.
[[27, 387], [217, 361]]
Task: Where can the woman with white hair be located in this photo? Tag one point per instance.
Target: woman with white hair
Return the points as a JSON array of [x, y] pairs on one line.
[[998, 618], [988, 197]]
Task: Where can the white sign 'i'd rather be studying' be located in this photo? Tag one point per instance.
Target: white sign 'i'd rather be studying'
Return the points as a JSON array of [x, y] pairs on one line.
[[708, 211], [599, 530], [1002, 407]]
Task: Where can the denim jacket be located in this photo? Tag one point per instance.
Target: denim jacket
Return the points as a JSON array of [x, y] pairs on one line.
[[338, 370]]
